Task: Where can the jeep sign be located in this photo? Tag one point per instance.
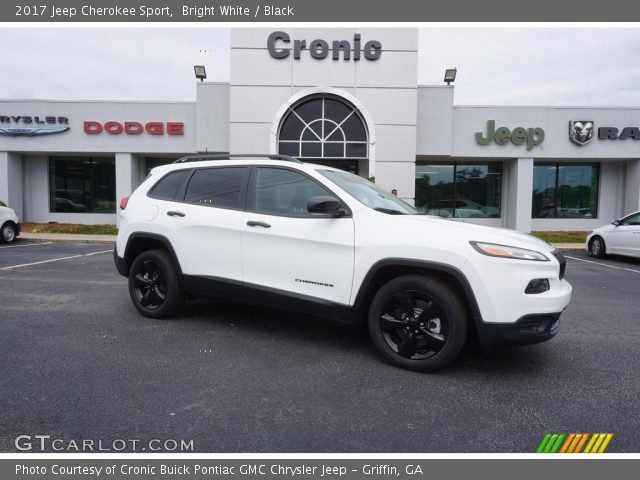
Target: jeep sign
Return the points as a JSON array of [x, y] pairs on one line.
[[532, 137]]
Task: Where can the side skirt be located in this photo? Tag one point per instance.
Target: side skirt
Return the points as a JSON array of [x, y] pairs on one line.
[[215, 287]]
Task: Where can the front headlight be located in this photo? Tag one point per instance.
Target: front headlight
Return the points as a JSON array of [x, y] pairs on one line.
[[506, 251]]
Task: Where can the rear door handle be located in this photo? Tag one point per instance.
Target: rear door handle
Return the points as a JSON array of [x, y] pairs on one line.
[[173, 213], [251, 223]]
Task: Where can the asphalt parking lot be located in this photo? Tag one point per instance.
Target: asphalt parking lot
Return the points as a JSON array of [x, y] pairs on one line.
[[78, 362]]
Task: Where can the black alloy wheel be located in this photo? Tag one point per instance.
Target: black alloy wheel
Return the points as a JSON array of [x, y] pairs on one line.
[[418, 323], [150, 285], [154, 286], [413, 325]]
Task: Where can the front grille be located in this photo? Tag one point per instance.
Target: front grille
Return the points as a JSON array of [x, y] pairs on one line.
[[562, 260]]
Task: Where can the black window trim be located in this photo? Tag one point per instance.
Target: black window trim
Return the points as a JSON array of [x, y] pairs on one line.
[[247, 198], [250, 198]]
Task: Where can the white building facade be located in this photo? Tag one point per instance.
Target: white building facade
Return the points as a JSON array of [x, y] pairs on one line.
[[348, 98]]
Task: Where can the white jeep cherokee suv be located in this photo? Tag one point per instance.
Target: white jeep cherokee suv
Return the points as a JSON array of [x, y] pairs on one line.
[[271, 230]]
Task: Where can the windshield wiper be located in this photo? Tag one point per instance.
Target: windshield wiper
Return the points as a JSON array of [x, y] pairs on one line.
[[390, 211]]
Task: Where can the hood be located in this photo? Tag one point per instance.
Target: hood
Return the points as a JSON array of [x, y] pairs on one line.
[[605, 228], [481, 233]]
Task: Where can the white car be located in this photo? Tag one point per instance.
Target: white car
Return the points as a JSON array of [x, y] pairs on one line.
[[621, 237], [310, 238], [9, 225]]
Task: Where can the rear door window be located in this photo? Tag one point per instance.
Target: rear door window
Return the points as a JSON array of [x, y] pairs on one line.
[[220, 187]]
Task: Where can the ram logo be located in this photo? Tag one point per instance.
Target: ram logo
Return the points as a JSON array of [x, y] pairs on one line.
[[581, 131]]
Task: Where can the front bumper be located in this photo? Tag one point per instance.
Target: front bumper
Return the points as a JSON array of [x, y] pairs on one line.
[[18, 228], [508, 315], [500, 287], [528, 330]]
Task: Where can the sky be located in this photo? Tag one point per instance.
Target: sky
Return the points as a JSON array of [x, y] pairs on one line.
[[496, 66]]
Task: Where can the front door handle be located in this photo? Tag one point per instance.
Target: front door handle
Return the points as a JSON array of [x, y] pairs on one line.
[[252, 223], [173, 213]]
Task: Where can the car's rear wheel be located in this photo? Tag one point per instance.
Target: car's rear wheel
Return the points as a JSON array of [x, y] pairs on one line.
[[418, 323], [597, 247], [154, 285], [8, 232]]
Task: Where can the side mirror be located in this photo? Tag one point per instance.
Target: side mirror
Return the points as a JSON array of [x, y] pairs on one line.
[[324, 205], [615, 223]]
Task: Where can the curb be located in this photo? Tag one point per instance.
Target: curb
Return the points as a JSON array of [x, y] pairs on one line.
[[570, 247], [66, 237]]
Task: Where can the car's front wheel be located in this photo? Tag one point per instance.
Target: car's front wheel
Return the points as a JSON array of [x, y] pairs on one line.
[[418, 323], [154, 285], [8, 232], [597, 247]]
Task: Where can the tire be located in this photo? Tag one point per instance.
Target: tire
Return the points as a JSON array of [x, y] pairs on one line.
[[597, 247], [8, 233], [153, 276], [403, 334]]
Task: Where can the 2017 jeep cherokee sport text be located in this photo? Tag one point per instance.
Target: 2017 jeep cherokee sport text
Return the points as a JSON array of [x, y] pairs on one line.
[[271, 230]]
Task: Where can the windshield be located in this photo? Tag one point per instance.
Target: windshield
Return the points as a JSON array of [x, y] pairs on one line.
[[368, 193]]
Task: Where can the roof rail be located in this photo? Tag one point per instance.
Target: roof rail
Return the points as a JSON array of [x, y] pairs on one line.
[[226, 156]]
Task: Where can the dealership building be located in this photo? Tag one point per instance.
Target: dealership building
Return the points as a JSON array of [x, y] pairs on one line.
[[348, 98]]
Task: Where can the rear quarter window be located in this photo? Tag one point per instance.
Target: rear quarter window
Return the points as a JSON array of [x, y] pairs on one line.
[[168, 186]]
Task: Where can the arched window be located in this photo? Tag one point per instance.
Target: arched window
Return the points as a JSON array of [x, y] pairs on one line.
[[323, 126]]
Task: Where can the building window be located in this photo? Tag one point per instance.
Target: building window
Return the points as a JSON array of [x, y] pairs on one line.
[[460, 190], [565, 190], [82, 185], [323, 127]]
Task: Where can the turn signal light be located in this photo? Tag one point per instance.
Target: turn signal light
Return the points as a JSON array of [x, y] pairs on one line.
[[123, 203]]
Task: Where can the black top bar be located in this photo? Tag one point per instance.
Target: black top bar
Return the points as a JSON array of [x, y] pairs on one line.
[[226, 156]]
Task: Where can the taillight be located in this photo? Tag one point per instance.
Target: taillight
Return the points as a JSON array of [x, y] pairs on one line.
[[123, 203]]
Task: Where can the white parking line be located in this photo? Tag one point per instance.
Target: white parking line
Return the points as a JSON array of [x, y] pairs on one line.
[[55, 260], [603, 264], [27, 245]]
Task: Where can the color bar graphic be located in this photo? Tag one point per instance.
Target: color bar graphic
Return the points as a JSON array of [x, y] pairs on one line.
[[553, 442]]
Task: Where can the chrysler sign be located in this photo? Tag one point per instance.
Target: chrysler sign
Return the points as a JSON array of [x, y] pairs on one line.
[[32, 126]]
